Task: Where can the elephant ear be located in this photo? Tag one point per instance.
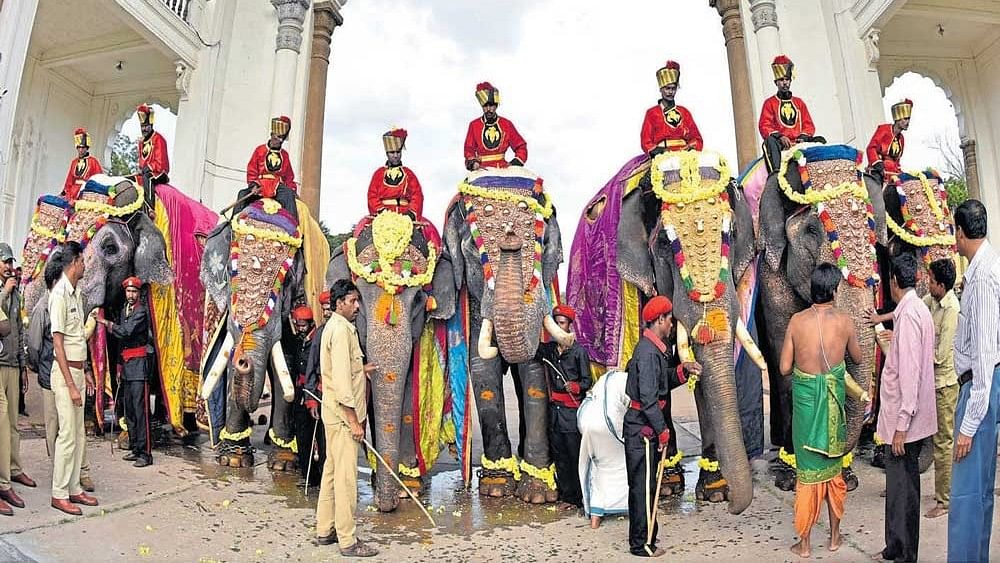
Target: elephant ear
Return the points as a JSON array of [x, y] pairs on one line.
[[552, 252], [454, 227], [663, 261], [803, 256], [337, 268], [215, 265], [772, 223], [635, 263], [445, 293], [151, 264], [743, 240], [878, 206]]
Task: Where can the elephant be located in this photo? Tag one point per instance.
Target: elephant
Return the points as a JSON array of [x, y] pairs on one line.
[[817, 196], [504, 242], [686, 232], [252, 270], [406, 283]]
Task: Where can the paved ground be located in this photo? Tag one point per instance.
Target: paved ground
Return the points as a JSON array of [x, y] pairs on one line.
[[185, 508]]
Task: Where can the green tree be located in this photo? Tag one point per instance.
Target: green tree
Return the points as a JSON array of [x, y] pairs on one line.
[[334, 240], [957, 190], [124, 156]]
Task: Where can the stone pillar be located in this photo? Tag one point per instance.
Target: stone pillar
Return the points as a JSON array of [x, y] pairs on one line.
[[291, 16], [765, 28], [326, 18], [739, 81], [971, 169]]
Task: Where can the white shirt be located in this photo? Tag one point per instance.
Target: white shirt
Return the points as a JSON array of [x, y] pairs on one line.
[[977, 340]]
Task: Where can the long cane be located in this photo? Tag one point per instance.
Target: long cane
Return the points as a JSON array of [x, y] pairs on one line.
[[378, 456], [312, 455], [238, 201], [656, 497], [565, 383]]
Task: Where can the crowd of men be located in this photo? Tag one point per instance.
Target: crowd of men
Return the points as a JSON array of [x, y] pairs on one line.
[[939, 379]]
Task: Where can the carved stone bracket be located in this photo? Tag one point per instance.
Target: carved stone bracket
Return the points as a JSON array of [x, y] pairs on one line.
[[183, 82], [326, 18], [291, 16], [871, 48], [763, 14]]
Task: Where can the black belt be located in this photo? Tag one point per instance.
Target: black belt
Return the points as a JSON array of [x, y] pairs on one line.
[[965, 377]]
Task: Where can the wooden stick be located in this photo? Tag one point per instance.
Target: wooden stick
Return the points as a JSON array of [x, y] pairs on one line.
[[312, 454], [400, 481], [656, 497]]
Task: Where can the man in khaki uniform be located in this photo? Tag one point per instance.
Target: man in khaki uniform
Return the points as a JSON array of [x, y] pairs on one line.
[[344, 409], [944, 308], [13, 376], [69, 345]]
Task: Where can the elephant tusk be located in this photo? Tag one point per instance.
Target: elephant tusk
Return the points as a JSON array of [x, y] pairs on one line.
[[565, 339], [281, 368], [749, 345], [486, 351], [683, 345], [879, 329], [218, 367]]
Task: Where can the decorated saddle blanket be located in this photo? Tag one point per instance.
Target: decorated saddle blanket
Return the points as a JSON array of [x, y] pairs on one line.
[[48, 228], [927, 221], [832, 186]]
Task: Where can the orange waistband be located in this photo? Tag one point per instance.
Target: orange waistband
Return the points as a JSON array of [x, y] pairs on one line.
[[491, 157]]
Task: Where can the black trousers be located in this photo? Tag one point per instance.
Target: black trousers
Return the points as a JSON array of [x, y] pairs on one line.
[[772, 149], [641, 464], [565, 449], [902, 503], [304, 425], [136, 395]]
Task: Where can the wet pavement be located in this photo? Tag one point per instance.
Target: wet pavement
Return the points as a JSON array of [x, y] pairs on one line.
[[187, 508]]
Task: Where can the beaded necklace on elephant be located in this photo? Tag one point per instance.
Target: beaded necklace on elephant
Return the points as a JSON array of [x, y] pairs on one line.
[[927, 222], [838, 204]]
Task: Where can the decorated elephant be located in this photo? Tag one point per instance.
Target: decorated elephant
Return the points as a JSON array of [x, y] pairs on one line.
[[253, 273], [407, 288], [818, 207], [688, 234], [504, 242], [111, 220]]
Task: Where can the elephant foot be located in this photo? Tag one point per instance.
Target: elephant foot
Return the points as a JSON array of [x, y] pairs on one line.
[[850, 478], [711, 487], [535, 491], [415, 484], [496, 483], [232, 454], [673, 482], [283, 460], [784, 476]]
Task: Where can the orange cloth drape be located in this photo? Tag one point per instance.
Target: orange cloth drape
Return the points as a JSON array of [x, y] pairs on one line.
[[809, 502]]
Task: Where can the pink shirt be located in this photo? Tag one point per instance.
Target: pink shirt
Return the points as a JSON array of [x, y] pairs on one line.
[[907, 389]]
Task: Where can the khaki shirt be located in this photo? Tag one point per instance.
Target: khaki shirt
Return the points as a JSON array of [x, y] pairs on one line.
[[945, 317], [66, 317], [342, 371]]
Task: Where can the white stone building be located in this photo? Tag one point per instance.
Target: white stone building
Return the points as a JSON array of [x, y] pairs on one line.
[[224, 67]]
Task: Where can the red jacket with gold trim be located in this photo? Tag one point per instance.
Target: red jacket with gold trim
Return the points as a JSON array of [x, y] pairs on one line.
[[790, 118], [80, 170], [391, 186], [489, 143], [265, 162], [153, 153], [886, 148], [674, 128]]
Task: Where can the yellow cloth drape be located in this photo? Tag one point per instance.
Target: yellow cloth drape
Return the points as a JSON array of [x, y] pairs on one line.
[[316, 256], [431, 389]]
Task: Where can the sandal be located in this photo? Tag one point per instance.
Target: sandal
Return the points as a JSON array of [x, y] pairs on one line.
[[359, 549]]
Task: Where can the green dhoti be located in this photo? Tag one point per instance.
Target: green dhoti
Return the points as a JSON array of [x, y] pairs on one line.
[[819, 425]]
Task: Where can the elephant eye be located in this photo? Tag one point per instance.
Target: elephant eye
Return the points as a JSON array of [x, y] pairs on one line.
[[109, 249]]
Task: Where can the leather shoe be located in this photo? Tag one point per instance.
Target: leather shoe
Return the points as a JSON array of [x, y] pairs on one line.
[[84, 499], [23, 479], [87, 484], [143, 461], [327, 540], [131, 456], [11, 498], [5, 509], [66, 506]]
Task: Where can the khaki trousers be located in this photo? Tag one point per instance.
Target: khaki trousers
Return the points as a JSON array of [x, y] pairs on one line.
[[71, 438], [338, 490], [10, 437], [946, 399], [52, 429]]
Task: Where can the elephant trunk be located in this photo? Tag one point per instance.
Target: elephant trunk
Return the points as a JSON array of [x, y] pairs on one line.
[[856, 300], [513, 339], [718, 387]]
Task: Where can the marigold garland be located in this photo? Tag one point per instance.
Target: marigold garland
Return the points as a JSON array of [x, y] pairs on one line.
[[508, 464], [235, 437], [673, 460], [292, 444], [241, 227], [546, 475], [786, 457], [391, 234], [847, 460], [913, 233], [544, 209], [691, 189], [108, 209], [385, 276], [707, 465], [409, 471]]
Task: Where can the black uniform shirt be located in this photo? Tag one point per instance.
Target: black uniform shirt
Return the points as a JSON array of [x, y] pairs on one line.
[[652, 373], [132, 331], [574, 365]]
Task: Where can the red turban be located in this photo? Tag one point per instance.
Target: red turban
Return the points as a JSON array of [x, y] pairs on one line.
[[132, 281], [564, 311], [657, 307], [324, 298], [302, 313]]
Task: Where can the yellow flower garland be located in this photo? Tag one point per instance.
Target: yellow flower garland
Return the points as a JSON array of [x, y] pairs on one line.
[[847, 460], [508, 464], [787, 457], [227, 435], [813, 196], [931, 198], [708, 465], [413, 472], [673, 460], [292, 444], [546, 475], [111, 210], [901, 232], [691, 189], [391, 234], [41, 230], [501, 195], [388, 279], [241, 227]]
